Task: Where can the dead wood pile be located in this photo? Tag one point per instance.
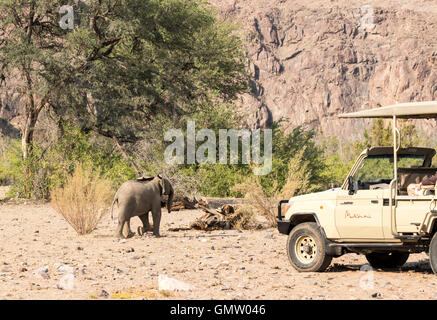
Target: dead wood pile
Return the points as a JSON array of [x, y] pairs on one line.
[[187, 203], [225, 218]]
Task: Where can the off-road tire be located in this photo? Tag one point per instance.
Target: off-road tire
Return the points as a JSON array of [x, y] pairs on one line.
[[387, 260], [317, 260], [433, 253]]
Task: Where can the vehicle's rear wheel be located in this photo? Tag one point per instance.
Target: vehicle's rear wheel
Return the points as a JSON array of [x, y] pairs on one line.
[[433, 253], [387, 260], [306, 248]]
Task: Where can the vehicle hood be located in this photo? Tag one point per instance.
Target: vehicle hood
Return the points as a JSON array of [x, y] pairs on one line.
[[317, 196]]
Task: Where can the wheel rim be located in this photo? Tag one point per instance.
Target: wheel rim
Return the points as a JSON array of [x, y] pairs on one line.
[[305, 249]]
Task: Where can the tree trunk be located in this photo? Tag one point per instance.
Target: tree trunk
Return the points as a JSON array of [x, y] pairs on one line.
[[27, 147], [126, 156], [27, 133]]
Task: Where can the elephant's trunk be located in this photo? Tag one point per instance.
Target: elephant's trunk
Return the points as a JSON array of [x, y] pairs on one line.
[[170, 199]]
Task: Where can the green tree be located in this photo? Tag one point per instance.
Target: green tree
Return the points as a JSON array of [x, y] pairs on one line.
[[125, 63]]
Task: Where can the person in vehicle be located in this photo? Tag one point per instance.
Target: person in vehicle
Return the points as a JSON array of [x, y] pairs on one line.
[[415, 189]]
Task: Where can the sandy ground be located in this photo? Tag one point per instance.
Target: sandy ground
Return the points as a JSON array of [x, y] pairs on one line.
[[220, 264]]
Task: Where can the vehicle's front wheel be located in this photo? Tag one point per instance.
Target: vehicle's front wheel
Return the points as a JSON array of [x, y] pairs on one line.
[[306, 248], [387, 260], [433, 253]]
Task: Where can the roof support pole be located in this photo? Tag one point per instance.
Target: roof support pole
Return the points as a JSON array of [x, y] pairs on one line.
[[394, 182]]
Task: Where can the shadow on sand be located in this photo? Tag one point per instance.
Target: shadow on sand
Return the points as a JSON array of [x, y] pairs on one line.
[[421, 266]]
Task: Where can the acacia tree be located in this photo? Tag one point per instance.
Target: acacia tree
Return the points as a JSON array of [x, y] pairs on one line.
[[124, 63]]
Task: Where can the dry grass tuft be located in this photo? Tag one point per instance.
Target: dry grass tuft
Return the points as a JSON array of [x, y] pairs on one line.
[[298, 182], [242, 219], [257, 201], [132, 293], [84, 200]]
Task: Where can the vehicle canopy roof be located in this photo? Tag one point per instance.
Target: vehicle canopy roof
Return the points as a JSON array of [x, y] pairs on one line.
[[411, 151], [410, 110]]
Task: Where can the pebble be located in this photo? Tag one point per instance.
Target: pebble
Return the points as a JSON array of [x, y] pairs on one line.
[[63, 269], [377, 295], [42, 272], [226, 288], [104, 294]]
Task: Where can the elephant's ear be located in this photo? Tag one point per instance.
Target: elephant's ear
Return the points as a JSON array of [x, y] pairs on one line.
[[162, 184]]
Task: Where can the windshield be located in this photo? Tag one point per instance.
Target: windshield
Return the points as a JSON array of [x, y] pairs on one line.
[[379, 169]]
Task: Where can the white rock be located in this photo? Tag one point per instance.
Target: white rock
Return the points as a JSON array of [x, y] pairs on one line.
[[169, 284], [42, 272], [63, 269], [66, 282]]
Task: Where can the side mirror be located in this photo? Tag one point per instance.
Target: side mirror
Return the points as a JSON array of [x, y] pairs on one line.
[[351, 185]]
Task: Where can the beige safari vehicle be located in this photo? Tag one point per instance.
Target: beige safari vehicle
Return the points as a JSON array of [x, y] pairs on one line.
[[371, 213]]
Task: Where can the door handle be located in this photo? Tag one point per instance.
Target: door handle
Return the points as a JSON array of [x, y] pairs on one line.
[[374, 201], [347, 202]]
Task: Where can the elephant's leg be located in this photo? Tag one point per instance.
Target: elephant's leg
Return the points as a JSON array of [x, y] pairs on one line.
[[127, 233], [119, 232], [123, 229], [156, 215], [122, 219], [145, 220]]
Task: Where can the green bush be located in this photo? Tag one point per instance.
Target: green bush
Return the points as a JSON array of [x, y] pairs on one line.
[[10, 161], [218, 180], [50, 166]]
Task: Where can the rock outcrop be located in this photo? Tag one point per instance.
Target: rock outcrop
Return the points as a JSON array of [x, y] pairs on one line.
[[311, 60]]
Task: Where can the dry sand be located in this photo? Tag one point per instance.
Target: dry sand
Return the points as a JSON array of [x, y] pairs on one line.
[[220, 264]]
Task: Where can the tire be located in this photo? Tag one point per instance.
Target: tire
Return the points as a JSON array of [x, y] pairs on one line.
[[306, 248], [387, 260], [433, 253]]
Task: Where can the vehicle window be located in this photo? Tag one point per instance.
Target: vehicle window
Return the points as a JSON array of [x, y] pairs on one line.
[[410, 162], [375, 170]]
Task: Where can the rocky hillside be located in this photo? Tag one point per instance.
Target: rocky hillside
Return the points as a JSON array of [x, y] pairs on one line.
[[312, 60]]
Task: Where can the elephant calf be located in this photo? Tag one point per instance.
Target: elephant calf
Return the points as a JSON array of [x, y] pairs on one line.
[[138, 198]]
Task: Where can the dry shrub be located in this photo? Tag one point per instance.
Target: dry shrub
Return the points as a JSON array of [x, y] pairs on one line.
[[298, 179], [184, 186], [227, 217], [257, 201], [298, 182], [84, 199], [242, 219]]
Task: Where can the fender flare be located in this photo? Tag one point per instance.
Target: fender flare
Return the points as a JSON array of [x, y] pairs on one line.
[[286, 226], [301, 217]]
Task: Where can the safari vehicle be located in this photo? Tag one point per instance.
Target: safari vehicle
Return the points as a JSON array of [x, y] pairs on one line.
[[371, 213]]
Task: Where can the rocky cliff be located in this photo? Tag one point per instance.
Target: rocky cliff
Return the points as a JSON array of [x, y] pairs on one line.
[[311, 60]]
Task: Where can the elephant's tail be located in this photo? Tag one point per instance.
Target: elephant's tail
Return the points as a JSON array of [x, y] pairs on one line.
[[112, 208]]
